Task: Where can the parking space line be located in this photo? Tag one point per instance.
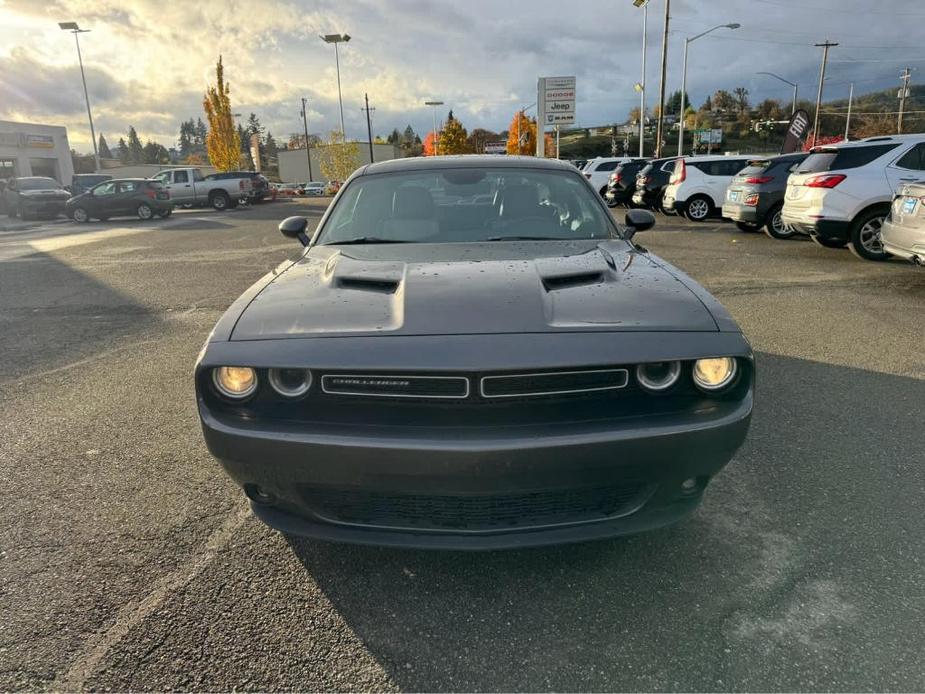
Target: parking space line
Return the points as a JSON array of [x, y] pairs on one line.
[[132, 614]]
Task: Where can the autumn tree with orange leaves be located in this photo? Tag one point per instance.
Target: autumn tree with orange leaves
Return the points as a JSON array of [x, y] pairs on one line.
[[429, 144], [521, 137]]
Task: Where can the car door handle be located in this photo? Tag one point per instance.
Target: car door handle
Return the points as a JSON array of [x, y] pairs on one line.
[[909, 178]]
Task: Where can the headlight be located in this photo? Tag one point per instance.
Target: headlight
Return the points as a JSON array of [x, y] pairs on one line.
[[235, 382], [291, 383], [658, 376], [714, 374]]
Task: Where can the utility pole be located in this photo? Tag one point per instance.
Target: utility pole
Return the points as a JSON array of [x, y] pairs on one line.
[[825, 59], [308, 152], [369, 128], [661, 88], [850, 100], [903, 93], [642, 84]]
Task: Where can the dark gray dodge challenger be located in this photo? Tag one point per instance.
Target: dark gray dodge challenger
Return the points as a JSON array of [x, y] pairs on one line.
[[470, 353]]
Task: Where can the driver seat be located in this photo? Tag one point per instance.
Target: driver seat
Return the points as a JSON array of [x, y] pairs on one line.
[[413, 215]]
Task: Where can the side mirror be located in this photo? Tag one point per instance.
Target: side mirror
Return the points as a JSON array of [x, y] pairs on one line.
[[294, 228], [638, 220]]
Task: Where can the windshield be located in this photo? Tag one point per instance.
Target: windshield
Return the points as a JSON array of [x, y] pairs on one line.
[[466, 205], [37, 183], [837, 158], [755, 167]]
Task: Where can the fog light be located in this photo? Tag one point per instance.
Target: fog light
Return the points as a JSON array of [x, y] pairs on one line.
[[258, 495], [714, 374], [235, 382], [291, 383], [659, 375]]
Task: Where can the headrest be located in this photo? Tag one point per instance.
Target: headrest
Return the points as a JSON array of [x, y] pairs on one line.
[[412, 202]]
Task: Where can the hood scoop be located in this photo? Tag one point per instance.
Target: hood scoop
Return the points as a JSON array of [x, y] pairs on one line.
[[579, 279], [343, 272]]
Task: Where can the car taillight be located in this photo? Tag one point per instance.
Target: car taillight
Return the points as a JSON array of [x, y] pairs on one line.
[[751, 200], [825, 181], [759, 179], [151, 193], [615, 178], [679, 177]]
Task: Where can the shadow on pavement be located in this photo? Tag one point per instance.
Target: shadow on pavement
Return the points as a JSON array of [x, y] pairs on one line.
[[799, 572], [52, 314]]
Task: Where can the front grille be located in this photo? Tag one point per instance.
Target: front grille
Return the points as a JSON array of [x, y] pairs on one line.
[[474, 513], [396, 386], [553, 383]]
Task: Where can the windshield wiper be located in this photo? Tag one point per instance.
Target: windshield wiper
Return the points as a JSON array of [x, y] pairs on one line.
[[529, 238], [365, 239]]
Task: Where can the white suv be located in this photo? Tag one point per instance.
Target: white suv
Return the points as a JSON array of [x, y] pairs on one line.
[[841, 193], [598, 171], [697, 187]]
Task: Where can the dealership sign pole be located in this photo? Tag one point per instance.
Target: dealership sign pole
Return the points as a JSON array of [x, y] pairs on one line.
[[555, 106]]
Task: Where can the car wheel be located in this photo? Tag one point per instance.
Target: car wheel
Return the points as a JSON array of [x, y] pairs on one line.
[[865, 236], [164, 214], [144, 211], [828, 243], [220, 200], [79, 214], [698, 208], [775, 228], [745, 226]]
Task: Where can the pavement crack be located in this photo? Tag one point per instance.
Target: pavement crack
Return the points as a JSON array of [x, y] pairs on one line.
[[132, 614]]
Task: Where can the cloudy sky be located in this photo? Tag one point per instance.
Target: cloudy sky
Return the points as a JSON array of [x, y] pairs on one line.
[[148, 61]]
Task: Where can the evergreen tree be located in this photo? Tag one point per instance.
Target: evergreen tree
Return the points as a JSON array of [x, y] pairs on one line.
[[200, 134], [136, 151], [103, 148], [123, 151], [185, 143], [707, 105], [155, 153]]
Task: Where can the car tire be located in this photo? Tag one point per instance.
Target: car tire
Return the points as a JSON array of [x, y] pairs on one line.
[[698, 208], [220, 201], [828, 243], [747, 227], [80, 215], [775, 227], [144, 211], [866, 243], [165, 213]]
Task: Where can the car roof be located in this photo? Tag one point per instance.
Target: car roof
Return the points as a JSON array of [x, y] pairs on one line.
[[467, 161], [877, 139], [722, 157], [33, 178]]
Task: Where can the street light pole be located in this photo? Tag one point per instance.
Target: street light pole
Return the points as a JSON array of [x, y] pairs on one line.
[[434, 104], [308, 153], [74, 29], [792, 84], [369, 128], [336, 39], [661, 88], [848, 119], [687, 42], [641, 87]]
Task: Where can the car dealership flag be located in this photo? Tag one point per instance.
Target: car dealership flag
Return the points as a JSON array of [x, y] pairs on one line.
[[796, 132]]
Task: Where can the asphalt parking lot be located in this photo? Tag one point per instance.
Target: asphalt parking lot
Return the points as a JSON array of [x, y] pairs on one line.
[[128, 561]]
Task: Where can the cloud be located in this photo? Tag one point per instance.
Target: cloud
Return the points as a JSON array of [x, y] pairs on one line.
[[148, 63]]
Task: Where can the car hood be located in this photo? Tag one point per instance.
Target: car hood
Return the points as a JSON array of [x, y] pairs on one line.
[[446, 289]]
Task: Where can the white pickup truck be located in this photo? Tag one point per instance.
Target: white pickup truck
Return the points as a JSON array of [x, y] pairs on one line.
[[190, 187]]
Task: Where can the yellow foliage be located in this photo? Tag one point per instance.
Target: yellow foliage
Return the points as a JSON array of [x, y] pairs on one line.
[[338, 159], [223, 143], [521, 137]]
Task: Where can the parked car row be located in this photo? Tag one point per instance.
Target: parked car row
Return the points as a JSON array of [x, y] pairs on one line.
[[866, 194]]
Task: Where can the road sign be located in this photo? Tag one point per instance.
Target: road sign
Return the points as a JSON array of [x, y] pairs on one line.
[[558, 98], [555, 105]]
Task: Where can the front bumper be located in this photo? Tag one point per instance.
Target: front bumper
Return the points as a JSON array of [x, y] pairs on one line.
[[904, 242], [301, 479]]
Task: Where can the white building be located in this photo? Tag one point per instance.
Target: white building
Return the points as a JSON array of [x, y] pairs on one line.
[[293, 164], [30, 149]]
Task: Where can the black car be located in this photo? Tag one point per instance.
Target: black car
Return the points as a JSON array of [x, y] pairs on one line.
[[443, 367], [651, 182], [139, 197], [622, 183], [81, 183], [755, 197], [29, 197]]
